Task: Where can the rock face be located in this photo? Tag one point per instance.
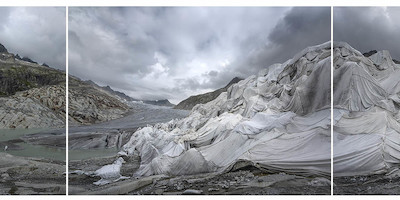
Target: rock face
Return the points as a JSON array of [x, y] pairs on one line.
[[31, 95], [17, 75], [89, 104], [366, 137], [370, 53], [3, 49], [35, 108], [28, 60], [190, 102], [277, 120]]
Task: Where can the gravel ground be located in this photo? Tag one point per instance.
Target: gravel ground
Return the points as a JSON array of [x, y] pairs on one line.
[[251, 181], [31, 176], [366, 185]]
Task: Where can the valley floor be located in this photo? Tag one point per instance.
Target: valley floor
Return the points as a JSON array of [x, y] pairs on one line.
[[250, 181]]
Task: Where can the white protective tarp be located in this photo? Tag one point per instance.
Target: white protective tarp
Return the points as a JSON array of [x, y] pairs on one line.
[[366, 137], [278, 120]]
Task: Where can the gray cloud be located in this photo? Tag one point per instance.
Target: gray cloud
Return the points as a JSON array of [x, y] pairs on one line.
[[368, 28], [35, 32], [154, 53]]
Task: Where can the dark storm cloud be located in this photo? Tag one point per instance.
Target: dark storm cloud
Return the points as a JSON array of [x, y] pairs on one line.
[[35, 32], [154, 53], [299, 28], [368, 28]]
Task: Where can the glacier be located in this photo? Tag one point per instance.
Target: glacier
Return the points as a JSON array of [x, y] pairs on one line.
[[278, 120]]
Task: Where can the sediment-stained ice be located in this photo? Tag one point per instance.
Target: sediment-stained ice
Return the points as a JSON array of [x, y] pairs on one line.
[[278, 119]]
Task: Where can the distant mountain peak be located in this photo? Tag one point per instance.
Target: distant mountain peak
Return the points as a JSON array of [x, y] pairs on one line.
[[233, 81], [28, 60], [159, 102], [3, 49]]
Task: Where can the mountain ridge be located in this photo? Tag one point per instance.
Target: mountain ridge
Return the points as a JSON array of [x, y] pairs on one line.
[[191, 101]]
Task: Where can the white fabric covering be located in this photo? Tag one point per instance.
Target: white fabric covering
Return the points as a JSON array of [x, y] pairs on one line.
[[279, 120], [366, 137]]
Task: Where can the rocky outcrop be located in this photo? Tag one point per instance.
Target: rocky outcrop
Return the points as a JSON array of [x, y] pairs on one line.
[[35, 108], [28, 60], [31, 95], [370, 53], [89, 104], [17, 75], [3, 49], [190, 102]]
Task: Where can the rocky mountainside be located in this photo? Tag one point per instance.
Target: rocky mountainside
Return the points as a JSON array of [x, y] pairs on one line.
[[366, 137], [42, 107], [90, 103], [3, 49], [190, 102], [19, 75], [111, 91], [123, 97], [33, 96], [277, 120]]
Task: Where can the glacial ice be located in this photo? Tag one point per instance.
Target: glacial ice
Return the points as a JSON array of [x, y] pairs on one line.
[[277, 120]]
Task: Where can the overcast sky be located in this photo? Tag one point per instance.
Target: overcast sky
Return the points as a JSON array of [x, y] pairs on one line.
[[172, 53], [368, 28], [35, 32]]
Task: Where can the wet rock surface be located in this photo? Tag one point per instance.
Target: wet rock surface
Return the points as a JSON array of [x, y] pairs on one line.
[[31, 176]]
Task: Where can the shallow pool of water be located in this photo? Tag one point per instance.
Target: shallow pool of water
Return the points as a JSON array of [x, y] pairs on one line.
[[39, 151], [30, 150]]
